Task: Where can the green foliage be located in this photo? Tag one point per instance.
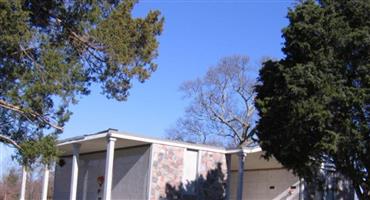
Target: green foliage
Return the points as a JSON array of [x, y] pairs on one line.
[[52, 51], [314, 104], [31, 150]]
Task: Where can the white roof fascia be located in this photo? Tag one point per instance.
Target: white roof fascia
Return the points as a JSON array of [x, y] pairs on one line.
[[167, 142], [233, 151], [156, 141], [83, 139], [254, 150]]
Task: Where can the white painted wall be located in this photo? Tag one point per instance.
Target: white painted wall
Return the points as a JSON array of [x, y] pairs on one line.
[[257, 184], [62, 180], [130, 175], [190, 166]]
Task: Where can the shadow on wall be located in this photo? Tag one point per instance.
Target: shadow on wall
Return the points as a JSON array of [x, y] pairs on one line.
[[211, 187]]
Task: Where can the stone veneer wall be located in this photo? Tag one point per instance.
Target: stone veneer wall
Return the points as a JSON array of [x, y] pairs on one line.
[[167, 167], [209, 161], [168, 164]]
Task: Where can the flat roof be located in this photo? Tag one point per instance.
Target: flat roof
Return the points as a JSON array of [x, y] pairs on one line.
[[96, 142]]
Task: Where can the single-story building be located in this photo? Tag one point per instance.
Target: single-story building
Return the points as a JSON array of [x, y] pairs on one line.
[[120, 166]]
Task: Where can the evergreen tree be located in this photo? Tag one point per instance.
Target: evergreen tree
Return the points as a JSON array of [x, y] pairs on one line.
[[52, 51], [314, 104]]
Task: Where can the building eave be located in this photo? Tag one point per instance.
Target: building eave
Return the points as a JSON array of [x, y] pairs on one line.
[[149, 140]]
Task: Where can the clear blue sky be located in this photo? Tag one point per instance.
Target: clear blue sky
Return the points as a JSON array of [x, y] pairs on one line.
[[197, 33]]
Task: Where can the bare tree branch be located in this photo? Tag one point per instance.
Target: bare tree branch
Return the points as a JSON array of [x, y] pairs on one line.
[[222, 120], [222, 102]]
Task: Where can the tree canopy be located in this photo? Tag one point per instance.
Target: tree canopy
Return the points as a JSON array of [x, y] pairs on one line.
[[314, 104], [52, 51], [221, 105]]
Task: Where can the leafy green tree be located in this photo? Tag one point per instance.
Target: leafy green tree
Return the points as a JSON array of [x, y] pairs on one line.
[[314, 104], [51, 52]]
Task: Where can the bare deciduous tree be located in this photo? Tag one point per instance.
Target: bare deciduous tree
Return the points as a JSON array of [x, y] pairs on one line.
[[10, 183], [221, 105]]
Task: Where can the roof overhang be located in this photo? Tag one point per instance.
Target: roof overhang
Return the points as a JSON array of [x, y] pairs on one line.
[[255, 161], [97, 143]]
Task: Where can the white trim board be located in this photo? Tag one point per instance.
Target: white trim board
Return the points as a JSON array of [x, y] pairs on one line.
[[120, 135]]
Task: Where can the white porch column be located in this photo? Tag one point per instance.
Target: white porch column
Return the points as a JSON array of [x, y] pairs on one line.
[[74, 176], [109, 168], [24, 180], [239, 194], [228, 179], [301, 189], [45, 183]]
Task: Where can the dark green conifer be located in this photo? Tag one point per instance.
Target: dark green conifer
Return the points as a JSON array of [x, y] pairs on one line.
[[314, 104]]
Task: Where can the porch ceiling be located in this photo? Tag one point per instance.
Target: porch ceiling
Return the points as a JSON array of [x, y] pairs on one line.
[[97, 144], [254, 161]]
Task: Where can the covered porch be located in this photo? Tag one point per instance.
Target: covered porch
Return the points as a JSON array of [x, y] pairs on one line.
[[92, 159], [75, 153]]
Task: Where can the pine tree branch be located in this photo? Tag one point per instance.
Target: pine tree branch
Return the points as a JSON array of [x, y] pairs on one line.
[[7, 139], [33, 114], [37, 65]]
